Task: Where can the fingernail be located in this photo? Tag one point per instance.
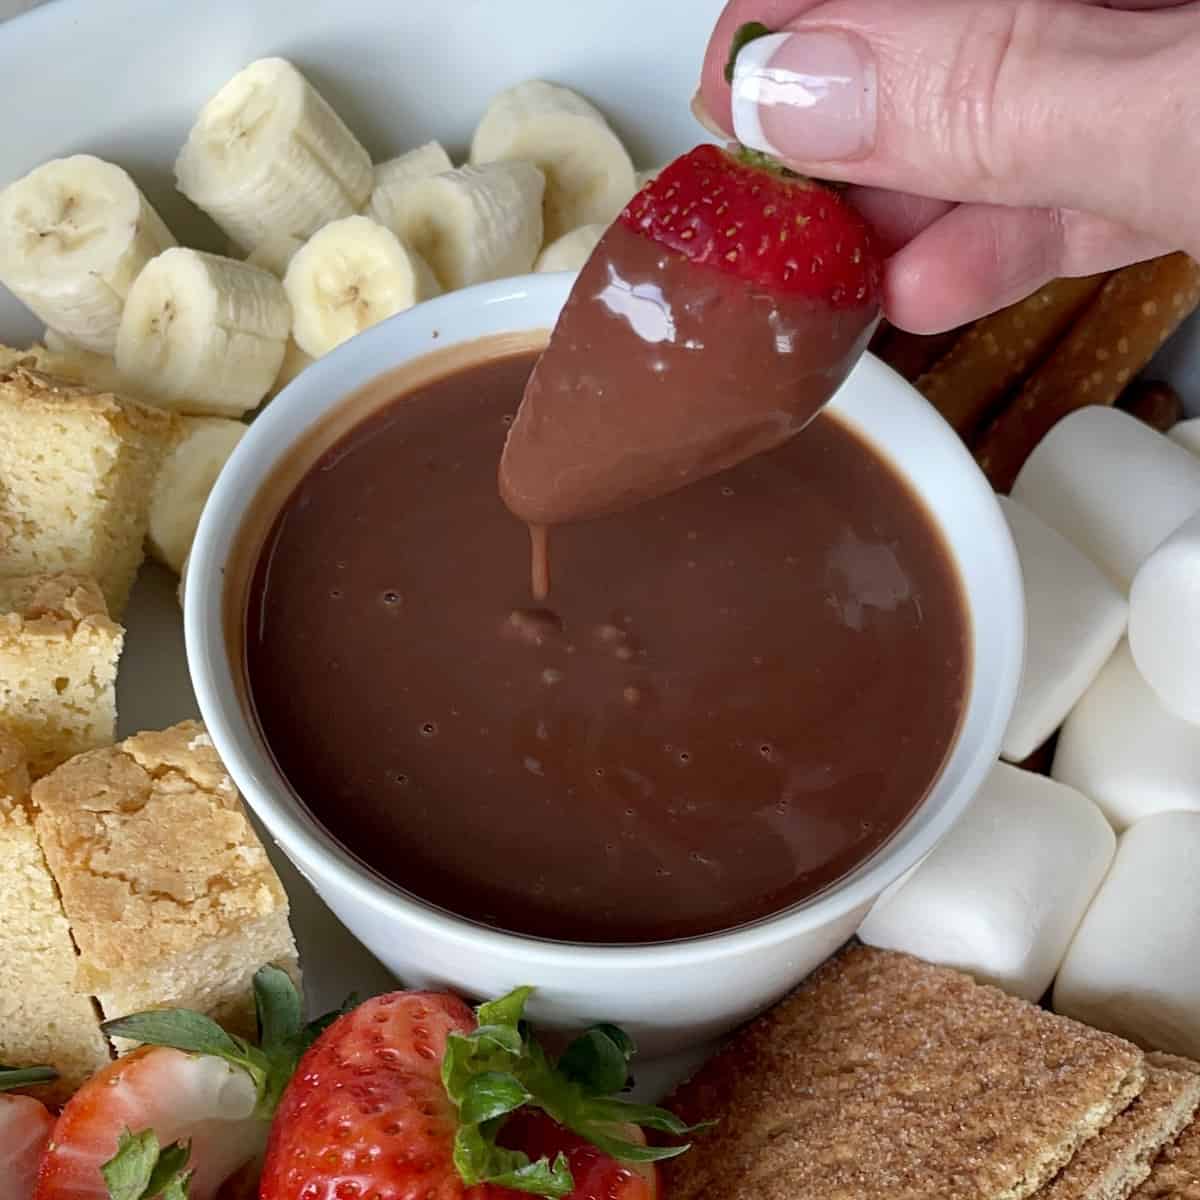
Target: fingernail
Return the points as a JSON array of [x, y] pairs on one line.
[[809, 97]]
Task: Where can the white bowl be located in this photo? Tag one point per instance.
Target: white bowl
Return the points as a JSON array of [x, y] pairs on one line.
[[670, 995]]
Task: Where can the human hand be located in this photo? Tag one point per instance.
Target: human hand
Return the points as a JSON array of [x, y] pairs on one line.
[[994, 144]]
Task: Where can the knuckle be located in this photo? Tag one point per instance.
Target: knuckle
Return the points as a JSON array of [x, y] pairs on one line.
[[981, 119]]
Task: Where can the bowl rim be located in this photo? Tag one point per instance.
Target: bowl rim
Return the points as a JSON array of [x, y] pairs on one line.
[[321, 858]]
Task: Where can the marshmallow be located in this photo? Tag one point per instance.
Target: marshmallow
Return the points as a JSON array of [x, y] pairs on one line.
[[1111, 485], [1123, 749], [1186, 434], [1074, 619], [1134, 966], [1002, 894], [1164, 621]]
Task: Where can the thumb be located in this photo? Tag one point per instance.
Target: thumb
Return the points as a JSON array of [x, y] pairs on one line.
[[1049, 104]]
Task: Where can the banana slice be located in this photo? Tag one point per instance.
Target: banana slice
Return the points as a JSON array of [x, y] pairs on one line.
[[294, 361], [392, 177], [267, 155], [570, 251], [64, 359], [74, 233], [204, 334], [183, 484], [274, 253], [350, 276], [589, 176], [476, 223]]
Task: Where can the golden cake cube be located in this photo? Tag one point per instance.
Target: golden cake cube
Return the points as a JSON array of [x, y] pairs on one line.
[[77, 468], [44, 1019], [58, 666], [170, 895]]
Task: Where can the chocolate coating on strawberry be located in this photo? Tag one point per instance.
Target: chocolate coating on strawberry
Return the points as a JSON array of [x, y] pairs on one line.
[[713, 321]]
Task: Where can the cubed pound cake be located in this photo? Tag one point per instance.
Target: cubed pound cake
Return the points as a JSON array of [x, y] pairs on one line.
[[886, 1078], [44, 1019], [77, 469], [170, 896], [58, 667]]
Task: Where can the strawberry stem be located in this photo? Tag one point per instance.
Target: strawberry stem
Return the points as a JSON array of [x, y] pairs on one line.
[[751, 31], [500, 1068]]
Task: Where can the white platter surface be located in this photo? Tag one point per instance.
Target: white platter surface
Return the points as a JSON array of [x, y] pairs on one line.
[[124, 79]]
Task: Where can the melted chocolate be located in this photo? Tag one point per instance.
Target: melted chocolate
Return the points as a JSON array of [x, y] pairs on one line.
[[660, 373], [737, 692]]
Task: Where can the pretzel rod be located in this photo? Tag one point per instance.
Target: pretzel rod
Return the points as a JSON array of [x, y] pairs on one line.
[[1150, 400], [912, 354], [996, 353], [1111, 341]]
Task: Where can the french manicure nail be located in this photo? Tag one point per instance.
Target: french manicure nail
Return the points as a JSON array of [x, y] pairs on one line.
[[808, 97]]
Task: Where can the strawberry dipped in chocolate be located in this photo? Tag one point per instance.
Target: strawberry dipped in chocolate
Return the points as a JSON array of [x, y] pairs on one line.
[[713, 321]]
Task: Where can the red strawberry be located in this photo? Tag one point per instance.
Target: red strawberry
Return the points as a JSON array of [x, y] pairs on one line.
[[25, 1126], [202, 1099], [713, 321], [187, 1114], [739, 214], [366, 1114], [402, 1099]]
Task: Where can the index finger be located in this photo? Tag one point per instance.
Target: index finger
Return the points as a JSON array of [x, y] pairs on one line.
[[775, 14]]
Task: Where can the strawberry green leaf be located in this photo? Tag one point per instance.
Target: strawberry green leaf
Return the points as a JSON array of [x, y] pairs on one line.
[[170, 1176], [280, 1012], [177, 1188], [501, 1067], [127, 1173], [508, 1010], [751, 31], [21, 1077], [141, 1170], [180, 1028], [632, 1152], [194, 1033], [541, 1178], [625, 1112], [618, 1037], [270, 1065], [479, 1160], [489, 1096], [472, 1055], [598, 1060], [505, 1038]]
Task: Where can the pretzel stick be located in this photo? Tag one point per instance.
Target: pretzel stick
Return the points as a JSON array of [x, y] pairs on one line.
[[1156, 403], [999, 351], [1112, 340], [911, 354]]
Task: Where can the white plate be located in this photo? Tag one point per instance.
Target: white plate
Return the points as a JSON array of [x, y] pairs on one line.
[[124, 78]]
